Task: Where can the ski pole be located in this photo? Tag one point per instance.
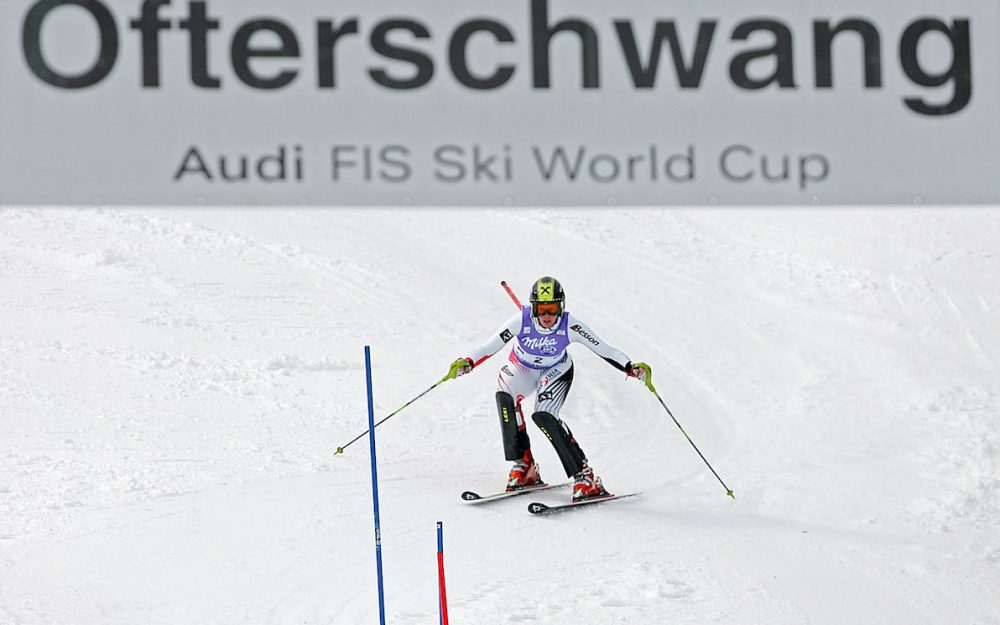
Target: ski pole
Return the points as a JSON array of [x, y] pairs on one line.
[[729, 491], [341, 449], [503, 283]]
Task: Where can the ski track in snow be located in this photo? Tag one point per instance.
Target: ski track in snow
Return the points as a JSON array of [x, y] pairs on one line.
[[173, 383]]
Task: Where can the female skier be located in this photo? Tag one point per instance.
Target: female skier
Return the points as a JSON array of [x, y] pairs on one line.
[[540, 363]]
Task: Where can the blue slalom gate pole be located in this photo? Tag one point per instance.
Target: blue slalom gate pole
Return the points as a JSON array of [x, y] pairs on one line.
[[371, 441]]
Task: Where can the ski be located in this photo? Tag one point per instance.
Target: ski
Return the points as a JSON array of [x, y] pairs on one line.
[[472, 497], [541, 508]]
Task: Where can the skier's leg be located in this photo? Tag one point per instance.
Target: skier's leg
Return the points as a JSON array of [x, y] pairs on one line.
[[553, 387], [515, 436], [572, 457], [515, 382]]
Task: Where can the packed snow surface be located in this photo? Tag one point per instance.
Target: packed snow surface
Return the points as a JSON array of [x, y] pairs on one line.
[[174, 383]]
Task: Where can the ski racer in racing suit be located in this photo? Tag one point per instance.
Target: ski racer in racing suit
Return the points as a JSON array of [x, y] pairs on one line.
[[540, 363]]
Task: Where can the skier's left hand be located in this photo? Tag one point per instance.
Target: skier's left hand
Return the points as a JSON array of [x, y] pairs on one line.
[[642, 372]]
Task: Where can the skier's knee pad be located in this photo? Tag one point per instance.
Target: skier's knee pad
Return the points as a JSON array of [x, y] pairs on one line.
[[515, 438], [562, 440]]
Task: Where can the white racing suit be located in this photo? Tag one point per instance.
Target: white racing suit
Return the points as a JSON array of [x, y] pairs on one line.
[[539, 363]]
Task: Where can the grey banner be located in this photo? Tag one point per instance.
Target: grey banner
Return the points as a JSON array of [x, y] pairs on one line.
[[527, 102]]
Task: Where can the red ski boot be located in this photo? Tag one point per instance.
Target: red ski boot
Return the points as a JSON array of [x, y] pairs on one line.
[[586, 485], [524, 473]]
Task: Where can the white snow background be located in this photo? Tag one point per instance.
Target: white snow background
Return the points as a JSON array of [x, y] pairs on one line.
[[174, 382]]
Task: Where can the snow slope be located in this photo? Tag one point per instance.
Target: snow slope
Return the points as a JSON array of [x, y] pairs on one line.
[[173, 384]]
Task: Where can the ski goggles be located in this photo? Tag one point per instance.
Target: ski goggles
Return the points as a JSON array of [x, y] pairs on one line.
[[549, 308]]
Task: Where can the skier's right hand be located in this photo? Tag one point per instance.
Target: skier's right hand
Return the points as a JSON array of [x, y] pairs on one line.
[[459, 367]]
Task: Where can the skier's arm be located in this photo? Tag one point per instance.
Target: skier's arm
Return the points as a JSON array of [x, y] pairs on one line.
[[497, 340], [579, 332]]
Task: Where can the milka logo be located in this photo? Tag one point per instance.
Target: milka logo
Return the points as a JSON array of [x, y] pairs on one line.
[[540, 343]]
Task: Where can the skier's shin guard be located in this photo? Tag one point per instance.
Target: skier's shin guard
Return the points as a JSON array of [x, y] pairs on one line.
[[515, 437], [570, 454]]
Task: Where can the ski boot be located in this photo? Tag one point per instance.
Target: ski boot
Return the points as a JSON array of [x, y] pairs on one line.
[[524, 473], [586, 485]]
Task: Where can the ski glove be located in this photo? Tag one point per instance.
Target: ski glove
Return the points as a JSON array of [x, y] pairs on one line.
[[642, 372], [459, 367]]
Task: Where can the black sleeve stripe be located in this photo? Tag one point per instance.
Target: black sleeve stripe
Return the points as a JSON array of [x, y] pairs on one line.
[[617, 365]]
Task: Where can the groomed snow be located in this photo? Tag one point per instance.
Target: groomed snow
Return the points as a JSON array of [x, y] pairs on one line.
[[174, 382]]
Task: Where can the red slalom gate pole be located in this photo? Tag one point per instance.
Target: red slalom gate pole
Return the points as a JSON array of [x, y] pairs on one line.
[[503, 283], [442, 595]]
